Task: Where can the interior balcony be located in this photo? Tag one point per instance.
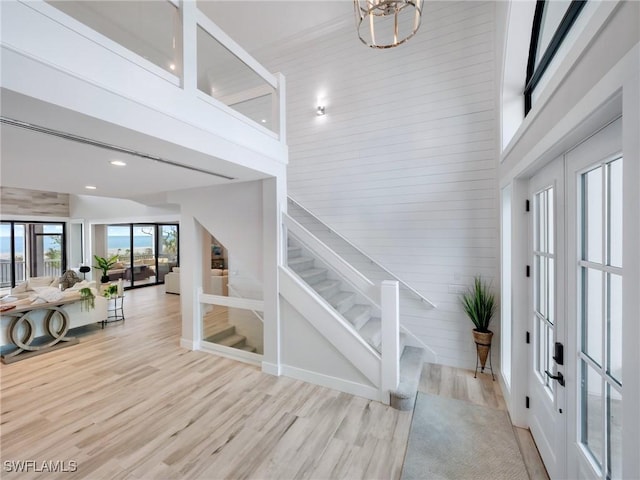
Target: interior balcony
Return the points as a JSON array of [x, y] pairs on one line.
[[155, 77]]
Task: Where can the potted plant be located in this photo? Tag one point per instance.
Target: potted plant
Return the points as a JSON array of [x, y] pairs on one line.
[[87, 298], [479, 305], [111, 291], [105, 265]]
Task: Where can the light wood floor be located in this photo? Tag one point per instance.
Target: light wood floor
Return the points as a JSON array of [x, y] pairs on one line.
[[128, 402]]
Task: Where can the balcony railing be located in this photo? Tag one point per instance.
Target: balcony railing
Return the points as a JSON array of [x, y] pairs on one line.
[[48, 268], [178, 42]]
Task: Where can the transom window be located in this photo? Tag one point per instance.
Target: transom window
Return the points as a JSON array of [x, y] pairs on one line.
[[551, 24]]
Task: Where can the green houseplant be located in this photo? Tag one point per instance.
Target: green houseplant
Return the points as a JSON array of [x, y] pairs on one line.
[[87, 298], [479, 304], [105, 265]]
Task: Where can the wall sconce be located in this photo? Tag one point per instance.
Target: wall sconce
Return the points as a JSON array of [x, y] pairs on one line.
[[320, 110]]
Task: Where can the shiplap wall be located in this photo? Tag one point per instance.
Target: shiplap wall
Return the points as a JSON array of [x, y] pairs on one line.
[[404, 163]]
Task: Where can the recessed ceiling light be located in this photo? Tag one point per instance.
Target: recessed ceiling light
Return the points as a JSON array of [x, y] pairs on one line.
[[90, 187], [172, 66], [118, 163], [264, 121]]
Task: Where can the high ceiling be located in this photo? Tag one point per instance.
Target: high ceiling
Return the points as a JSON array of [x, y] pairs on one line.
[[43, 162]]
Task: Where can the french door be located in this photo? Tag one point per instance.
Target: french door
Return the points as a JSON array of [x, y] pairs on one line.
[[575, 382], [548, 374]]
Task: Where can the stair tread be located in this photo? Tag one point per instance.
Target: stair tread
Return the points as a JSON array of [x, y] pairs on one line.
[[293, 252], [325, 285], [248, 348], [312, 271], [299, 260], [340, 297], [232, 340], [358, 315]]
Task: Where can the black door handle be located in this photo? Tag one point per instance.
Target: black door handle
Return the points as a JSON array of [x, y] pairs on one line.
[[559, 377]]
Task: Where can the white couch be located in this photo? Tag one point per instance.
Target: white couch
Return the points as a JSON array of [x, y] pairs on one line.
[[172, 281], [27, 293], [217, 285]]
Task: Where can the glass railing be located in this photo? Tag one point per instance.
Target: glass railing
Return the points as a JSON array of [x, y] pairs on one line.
[[234, 327], [225, 73], [223, 76], [152, 29]]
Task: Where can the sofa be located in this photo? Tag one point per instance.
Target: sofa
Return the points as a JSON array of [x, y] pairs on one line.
[[217, 282], [140, 271], [172, 281], [37, 290]]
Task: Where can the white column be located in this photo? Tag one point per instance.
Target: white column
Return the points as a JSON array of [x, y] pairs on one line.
[[191, 246], [389, 305]]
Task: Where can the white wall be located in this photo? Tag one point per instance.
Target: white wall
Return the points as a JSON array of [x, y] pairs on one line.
[[404, 162]]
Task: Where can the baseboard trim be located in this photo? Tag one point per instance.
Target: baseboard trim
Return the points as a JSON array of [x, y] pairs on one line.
[[188, 344], [334, 383], [271, 369], [232, 353]]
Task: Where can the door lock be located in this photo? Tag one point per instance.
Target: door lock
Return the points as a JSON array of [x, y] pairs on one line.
[[559, 377]]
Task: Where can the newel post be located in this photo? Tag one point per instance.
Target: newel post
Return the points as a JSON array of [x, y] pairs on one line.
[[389, 305]]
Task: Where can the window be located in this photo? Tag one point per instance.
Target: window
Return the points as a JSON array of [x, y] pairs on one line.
[[145, 252], [30, 249], [551, 24]]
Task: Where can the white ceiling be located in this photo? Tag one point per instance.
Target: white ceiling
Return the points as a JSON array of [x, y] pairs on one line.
[[42, 162]]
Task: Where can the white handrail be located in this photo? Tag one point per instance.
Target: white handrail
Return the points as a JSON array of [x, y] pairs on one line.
[[395, 277], [239, 295]]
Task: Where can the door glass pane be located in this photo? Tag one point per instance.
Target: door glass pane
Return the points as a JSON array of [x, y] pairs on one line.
[[615, 213], [168, 250], [592, 314], [593, 215], [5, 255], [119, 245], [550, 222], [614, 346], [46, 250], [549, 362], [551, 290], [614, 400], [20, 234], [144, 257], [541, 286], [592, 412]]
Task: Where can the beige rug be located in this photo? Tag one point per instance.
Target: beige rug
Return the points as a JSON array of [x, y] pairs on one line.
[[452, 439]]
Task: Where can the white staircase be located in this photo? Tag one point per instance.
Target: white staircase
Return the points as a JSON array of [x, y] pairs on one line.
[[362, 315], [354, 303]]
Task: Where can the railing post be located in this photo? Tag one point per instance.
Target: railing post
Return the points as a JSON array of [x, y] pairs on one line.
[[390, 319]]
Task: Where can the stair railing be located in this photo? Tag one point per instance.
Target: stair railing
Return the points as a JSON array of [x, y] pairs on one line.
[[237, 294], [335, 261], [386, 270]]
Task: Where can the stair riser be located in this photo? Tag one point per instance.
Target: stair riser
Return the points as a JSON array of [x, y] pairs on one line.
[[294, 252], [359, 321], [327, 293], [315, 278], [227, 332], [345, 305]]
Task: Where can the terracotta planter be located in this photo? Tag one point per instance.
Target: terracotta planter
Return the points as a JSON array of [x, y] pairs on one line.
[[483, 344]]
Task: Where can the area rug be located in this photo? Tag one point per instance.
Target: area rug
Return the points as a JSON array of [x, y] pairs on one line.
[[452, 439]]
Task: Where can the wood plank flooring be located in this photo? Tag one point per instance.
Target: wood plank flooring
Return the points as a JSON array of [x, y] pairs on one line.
[[129, 403]]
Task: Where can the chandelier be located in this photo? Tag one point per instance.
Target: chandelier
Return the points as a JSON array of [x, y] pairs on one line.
[[387, 23]]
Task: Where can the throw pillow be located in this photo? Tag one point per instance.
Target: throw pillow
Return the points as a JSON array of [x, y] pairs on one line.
[[35, 282], [47, 294], [21, 288], [69, 279]]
